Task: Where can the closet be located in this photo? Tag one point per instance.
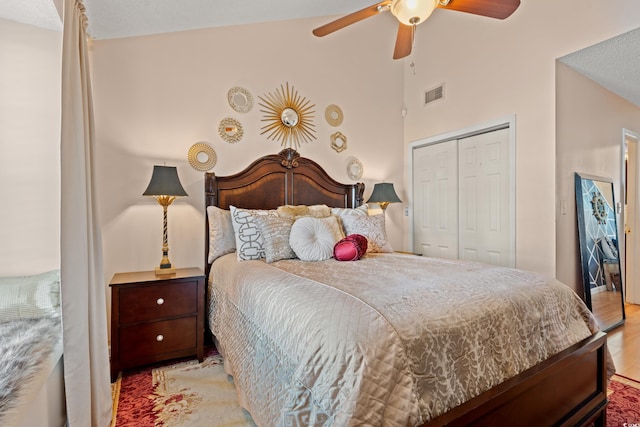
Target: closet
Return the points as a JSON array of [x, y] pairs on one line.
[[463, 198]]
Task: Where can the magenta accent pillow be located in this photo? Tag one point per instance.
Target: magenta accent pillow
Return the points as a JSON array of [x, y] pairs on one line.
[[351, 248]]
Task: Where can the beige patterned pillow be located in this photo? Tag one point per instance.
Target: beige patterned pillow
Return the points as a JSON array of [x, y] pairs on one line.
[[275, 232], [360, 210], [221, 236], [370, 226]]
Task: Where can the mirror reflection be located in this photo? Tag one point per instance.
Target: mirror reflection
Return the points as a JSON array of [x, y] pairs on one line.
[[289, 117], [599, 249]]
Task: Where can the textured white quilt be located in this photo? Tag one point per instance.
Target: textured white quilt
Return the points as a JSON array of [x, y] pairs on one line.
[[390, 340]]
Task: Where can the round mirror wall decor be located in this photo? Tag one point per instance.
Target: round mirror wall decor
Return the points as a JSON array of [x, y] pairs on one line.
[[333, 115], [230, 130], [240, 99], [202, 157], [354, 168], [289, 117]]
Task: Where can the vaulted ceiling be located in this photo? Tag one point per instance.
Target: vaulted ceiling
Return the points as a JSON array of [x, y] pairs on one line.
[[612, 63]]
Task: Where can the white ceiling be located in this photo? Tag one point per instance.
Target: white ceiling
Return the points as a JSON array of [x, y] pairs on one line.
[[613, 63]]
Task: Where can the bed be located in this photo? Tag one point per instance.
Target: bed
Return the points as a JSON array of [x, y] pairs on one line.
[[31, 372], [321, 343]]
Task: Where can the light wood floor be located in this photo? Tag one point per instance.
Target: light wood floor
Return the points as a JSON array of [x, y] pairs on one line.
[[624, 344]]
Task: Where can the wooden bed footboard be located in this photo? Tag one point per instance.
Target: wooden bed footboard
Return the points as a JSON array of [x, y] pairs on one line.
[[568, 389]]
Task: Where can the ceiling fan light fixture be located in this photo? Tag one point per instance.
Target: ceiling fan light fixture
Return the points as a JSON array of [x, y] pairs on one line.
[[413, 12]]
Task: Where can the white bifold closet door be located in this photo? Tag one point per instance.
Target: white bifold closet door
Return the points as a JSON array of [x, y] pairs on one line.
[[462, 199]]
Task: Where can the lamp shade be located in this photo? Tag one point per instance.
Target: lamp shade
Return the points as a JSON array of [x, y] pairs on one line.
[[383, 193], [412, 12], [164, 182]]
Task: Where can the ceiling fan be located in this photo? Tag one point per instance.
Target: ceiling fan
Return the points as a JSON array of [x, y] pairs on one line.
[[410, 13]]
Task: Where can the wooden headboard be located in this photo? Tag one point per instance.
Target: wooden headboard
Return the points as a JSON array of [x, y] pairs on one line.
[[275, 180]]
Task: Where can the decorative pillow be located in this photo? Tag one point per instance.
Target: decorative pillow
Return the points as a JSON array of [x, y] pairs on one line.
[[315, 211], [370, 226], [360, 240], [275, 233], [360, 210], [249, 241], [351, 248], [312, 239], [221, 236], [334, 224], [30, 297]]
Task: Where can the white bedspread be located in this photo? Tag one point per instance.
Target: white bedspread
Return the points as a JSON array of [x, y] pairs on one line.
[[390, 340]]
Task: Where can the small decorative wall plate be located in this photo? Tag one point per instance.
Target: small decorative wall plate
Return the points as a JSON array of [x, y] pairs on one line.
[[333, 115], [240, 99], [354, 168], [202, 157], [230, 130], [338, 142]]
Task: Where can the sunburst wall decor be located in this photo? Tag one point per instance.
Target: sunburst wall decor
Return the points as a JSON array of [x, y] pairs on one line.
[[289, 117]]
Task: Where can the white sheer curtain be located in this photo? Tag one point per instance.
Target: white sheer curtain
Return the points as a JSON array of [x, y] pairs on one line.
[[86, 356]]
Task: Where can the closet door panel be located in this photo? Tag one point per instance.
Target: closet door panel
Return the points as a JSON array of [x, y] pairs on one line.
[[484, 200], [435, 193]]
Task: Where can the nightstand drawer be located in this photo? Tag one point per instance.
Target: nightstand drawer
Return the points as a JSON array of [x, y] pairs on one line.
[[149, 342], [153, 302]]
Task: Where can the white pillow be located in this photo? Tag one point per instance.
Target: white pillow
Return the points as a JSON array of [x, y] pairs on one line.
[[370, 226], [249, 241], [221, 236], [312, 239], [30, 297], [360, 210], [275, 233]]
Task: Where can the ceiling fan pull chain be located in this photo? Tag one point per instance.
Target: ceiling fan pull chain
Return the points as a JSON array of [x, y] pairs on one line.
[[413, 50]]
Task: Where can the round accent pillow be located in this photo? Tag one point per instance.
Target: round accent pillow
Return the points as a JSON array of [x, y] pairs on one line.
[[351, 248], [312, 239], [360, 240]]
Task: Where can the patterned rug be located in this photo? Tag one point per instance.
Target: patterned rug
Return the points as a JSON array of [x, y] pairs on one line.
[[182, 394], [624, 402], [192, 394]]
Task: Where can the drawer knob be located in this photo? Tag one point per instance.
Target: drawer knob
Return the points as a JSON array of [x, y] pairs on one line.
[[160, 301], [159, 338]]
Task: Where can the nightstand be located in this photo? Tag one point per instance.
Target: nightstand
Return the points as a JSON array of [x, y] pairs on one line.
[[156, 318]]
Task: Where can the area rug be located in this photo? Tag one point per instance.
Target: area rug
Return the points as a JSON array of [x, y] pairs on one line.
[[624, 402], [182, 394], [192, 394]]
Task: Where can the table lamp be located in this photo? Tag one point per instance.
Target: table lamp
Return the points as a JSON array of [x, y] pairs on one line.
[[165, 187], [383, 194]]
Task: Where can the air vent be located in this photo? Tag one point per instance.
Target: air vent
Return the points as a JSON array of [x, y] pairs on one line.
[[434, 94]]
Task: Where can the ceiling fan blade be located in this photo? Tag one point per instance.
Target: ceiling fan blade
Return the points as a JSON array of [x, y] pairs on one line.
[[499, 9], [404, 41], [351, 18]]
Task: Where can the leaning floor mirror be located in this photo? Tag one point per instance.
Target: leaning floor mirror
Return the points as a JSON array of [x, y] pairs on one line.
[[599, 249]]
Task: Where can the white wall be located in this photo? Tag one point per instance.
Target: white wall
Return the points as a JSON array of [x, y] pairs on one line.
[[494, 68], [30, 76], [589, 141], [155, 96]]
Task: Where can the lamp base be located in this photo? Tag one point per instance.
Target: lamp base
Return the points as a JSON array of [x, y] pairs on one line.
[[164, 271]]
